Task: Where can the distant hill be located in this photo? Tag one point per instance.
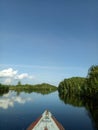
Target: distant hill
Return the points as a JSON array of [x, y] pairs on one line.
[[43, 88]]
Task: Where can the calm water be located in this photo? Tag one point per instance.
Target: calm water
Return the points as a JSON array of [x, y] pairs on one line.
[[18, 110]]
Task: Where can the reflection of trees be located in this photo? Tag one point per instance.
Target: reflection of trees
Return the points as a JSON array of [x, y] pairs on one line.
[[3, 89], [71, 99], [39, 88], [43, 92], [90, 105], [80, 91]]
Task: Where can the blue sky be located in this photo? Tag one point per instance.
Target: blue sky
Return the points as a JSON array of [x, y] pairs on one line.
[[48, 40]]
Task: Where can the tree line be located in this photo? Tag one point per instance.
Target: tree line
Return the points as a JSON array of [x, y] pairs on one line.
[[3, 89], [79, 91], [80, 86], [43, 88]]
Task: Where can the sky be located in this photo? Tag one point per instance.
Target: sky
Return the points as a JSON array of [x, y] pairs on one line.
[[47, 40]]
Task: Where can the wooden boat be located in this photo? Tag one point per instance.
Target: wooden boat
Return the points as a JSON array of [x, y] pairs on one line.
[[46, 122]]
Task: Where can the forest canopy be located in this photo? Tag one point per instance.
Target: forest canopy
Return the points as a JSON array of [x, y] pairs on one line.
[[87, 86]]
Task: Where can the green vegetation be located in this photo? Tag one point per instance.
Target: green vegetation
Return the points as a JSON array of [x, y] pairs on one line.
[[90, 104], [80, 91], [85, 87], [39, 88], [71, 85], [90, 88], [3, 89]]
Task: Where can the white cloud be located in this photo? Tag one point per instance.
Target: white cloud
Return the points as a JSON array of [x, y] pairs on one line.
[[8, 73], [31, 77], [22, 76]]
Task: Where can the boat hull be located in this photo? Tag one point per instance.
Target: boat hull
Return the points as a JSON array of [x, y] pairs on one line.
[[46, 122]]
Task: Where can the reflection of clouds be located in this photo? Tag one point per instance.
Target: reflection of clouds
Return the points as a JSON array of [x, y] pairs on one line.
[[5, 103], [6, 95], [20, 99], [8, 100]]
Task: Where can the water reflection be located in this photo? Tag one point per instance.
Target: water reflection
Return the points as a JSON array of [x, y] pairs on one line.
[[9, 99], [89, 104], [19, 109], [41, 91]]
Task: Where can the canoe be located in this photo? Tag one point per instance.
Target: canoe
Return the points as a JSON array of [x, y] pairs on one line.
[[46, 122]]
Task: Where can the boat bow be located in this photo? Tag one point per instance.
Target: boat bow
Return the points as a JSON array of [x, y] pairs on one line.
[[46, 122]]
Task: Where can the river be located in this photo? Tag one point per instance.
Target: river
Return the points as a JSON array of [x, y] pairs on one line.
[[18, 110]]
